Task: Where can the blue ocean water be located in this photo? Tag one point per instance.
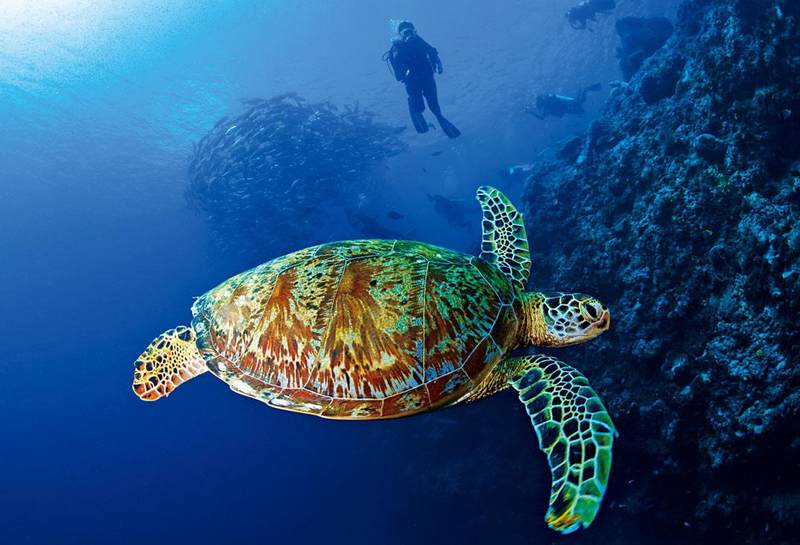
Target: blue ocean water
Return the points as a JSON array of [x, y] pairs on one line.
[[100, 106]]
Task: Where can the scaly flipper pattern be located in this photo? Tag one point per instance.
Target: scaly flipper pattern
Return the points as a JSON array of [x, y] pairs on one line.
[[170, 360], [575, 432], [505, 242]]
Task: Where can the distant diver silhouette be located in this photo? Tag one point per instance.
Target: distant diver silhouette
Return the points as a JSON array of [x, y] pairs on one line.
[[560, 105], [413, 61], [580, 15]]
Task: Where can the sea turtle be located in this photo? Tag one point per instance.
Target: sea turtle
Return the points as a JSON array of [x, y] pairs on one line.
[[370, 329]]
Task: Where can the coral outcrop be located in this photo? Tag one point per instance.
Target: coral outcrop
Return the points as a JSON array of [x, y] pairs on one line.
[[680, 208]]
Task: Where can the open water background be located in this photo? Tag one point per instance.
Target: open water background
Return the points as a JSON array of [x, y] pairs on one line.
[[100, 104]]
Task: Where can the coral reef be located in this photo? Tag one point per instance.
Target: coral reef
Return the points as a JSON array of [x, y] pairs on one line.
[[680, 208], [262, 175]]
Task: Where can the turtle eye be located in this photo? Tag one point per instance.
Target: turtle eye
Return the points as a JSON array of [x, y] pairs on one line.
[[591, 311]]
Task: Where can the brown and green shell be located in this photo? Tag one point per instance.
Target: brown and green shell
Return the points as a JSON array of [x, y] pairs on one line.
[[358, 329]]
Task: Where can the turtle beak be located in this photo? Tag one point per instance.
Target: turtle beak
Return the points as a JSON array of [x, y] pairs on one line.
[[604, 322], [597, 316]]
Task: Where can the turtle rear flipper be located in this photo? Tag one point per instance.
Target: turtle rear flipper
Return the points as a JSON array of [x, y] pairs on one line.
[[168, 362], [574, 431], [505, 242]]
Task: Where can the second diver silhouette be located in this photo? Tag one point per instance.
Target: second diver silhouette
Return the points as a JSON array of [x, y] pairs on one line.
[[413, 61], [560, 105], [580, 15]]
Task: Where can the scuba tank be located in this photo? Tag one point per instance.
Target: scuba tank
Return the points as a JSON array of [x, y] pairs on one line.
[[390, 58]]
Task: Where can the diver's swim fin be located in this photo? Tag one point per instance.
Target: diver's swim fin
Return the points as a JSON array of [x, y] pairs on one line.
[[448, 128], [419, 122]]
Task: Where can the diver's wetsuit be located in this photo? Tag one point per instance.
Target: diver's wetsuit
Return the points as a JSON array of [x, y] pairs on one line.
[[415, 59], [413, 62]]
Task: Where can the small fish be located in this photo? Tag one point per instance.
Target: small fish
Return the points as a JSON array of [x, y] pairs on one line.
[[391, 214], [436, 153]]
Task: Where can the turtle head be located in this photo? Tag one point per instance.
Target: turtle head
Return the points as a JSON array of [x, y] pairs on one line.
[[170, 360], [561, 319]]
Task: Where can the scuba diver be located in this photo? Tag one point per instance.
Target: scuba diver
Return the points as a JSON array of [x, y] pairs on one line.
[[584, 12], [560, 105], [454, 211], [413, 61]]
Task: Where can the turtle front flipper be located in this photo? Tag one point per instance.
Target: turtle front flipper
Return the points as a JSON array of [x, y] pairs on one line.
[[575, 432], [504, 243], [168, 362]]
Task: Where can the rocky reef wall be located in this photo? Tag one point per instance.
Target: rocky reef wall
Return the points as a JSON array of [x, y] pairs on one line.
[[680, 208]]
